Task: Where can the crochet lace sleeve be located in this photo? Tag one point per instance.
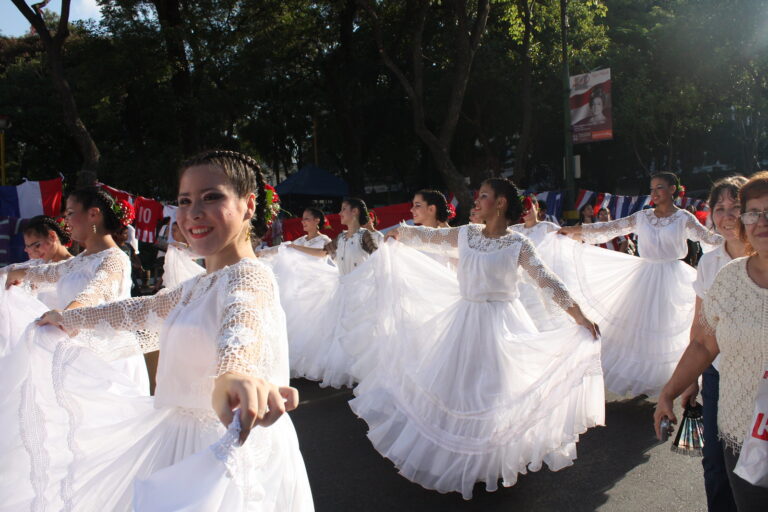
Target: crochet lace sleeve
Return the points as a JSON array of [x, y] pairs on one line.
[[48, 272], [143, 314], [695, 231], [332, 246], [247, 322], [106, 281], [601, 232], [420, 237], [543, 277]]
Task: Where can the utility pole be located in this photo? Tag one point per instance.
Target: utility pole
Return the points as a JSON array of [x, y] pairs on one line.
[[570, 180]]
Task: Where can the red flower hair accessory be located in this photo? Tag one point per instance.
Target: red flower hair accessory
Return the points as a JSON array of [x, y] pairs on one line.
[[451, 211], [124, 211]]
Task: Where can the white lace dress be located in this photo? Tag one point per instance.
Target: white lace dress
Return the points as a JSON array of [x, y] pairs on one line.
[[229, 320], [644, 305], [179, 265], [88, 279], [329, 308], [476, 393]]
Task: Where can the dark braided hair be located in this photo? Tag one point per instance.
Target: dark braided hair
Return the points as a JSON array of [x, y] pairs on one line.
[[245, 176], [503, 187], [42, 225], [96, 197], [319, 215], [437, 199], [355, 202]]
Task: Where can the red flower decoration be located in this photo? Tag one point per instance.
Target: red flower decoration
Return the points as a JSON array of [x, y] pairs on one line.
[[124, 211], [374, 218], [451, 211]]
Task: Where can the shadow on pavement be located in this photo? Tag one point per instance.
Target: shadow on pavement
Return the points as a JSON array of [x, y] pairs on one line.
[[347, 474]]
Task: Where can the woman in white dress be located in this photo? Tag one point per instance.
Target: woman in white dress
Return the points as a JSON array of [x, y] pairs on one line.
[[46, 240], [312, 221], [221, 339], [532, 227], [100, 274], [644, 305], [430, 209], [477, 393], [325, 346]]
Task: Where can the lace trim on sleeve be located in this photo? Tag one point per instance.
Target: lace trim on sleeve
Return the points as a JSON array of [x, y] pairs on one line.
[[106, 281], [247, 323], [144, 314], [543, 277], [368, 243], [49, 272], [421, 237], [601, 232], [698, 233]]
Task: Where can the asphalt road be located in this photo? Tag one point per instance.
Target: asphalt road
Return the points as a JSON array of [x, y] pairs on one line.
[[621, 467]]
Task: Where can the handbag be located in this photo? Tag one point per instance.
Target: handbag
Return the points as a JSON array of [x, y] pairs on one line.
[[752, 465]]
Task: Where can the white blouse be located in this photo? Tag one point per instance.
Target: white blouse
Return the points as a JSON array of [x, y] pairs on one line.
[[709, 265], [658, 238], [735, 310], [317, 242]]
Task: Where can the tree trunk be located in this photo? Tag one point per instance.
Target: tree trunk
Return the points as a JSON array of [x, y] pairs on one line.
[[526, 93], [54, 46], [467, 40]]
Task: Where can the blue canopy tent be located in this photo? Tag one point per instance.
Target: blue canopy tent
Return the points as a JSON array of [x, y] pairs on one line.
[[311, 180]]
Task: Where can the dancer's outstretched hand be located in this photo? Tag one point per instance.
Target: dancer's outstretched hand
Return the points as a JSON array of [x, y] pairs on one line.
[[260, 402], [591, 326], [392, 233], [14, 277], [663, 409], [52, 317]]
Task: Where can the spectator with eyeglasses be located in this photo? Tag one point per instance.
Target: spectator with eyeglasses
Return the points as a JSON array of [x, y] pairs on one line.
[[732, 327]]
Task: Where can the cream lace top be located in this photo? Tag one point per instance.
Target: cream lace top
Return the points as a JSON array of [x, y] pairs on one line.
[[89, 279], [489, 267], [736, 310], [658, 238], [537, 232], [224, 321]]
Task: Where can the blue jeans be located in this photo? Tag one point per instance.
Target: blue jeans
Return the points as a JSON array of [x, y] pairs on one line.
[[719, 495]]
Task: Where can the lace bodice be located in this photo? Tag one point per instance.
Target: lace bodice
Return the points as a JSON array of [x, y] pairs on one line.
[[226, 321], [489, 267], [349, 253], [658, 238], [89, 279], [735, 309], [537, 232], [318, 242]]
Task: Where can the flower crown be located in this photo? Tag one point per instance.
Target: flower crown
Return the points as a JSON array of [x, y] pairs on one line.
[[123, 211], [273, 204]]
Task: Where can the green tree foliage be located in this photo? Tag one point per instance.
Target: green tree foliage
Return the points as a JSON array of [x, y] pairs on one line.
[[296, 82]]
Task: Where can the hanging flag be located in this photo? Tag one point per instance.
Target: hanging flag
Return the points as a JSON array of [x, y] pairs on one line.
[[584, 198], [32, 198]]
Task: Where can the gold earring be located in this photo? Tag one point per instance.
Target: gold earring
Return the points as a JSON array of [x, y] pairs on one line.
[[498, 212], [248, 235], [93, 227]]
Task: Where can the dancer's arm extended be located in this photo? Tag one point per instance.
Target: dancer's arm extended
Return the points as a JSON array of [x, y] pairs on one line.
[[601, 232], [553, 286]]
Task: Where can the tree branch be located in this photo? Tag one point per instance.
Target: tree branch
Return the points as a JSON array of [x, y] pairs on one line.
[[34, 19]]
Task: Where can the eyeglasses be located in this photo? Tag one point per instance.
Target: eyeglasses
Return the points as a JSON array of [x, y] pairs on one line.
[[750, 218]]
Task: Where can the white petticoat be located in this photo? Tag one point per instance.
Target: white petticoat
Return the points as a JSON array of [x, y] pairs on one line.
[[477, 394], [74, 439], [644, 309]]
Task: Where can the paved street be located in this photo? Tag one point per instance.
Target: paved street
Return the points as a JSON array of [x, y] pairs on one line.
[[620, 468]]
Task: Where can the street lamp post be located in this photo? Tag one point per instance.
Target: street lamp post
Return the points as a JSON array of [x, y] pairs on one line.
[[5, 123], [570, 180]]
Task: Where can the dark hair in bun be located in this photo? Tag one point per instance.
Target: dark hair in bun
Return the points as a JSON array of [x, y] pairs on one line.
[[437, 199], [96, 197], [42, 225]]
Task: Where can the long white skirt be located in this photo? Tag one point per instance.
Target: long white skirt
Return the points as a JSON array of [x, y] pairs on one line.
[[644, 309], [74, 439], [476, 393]]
